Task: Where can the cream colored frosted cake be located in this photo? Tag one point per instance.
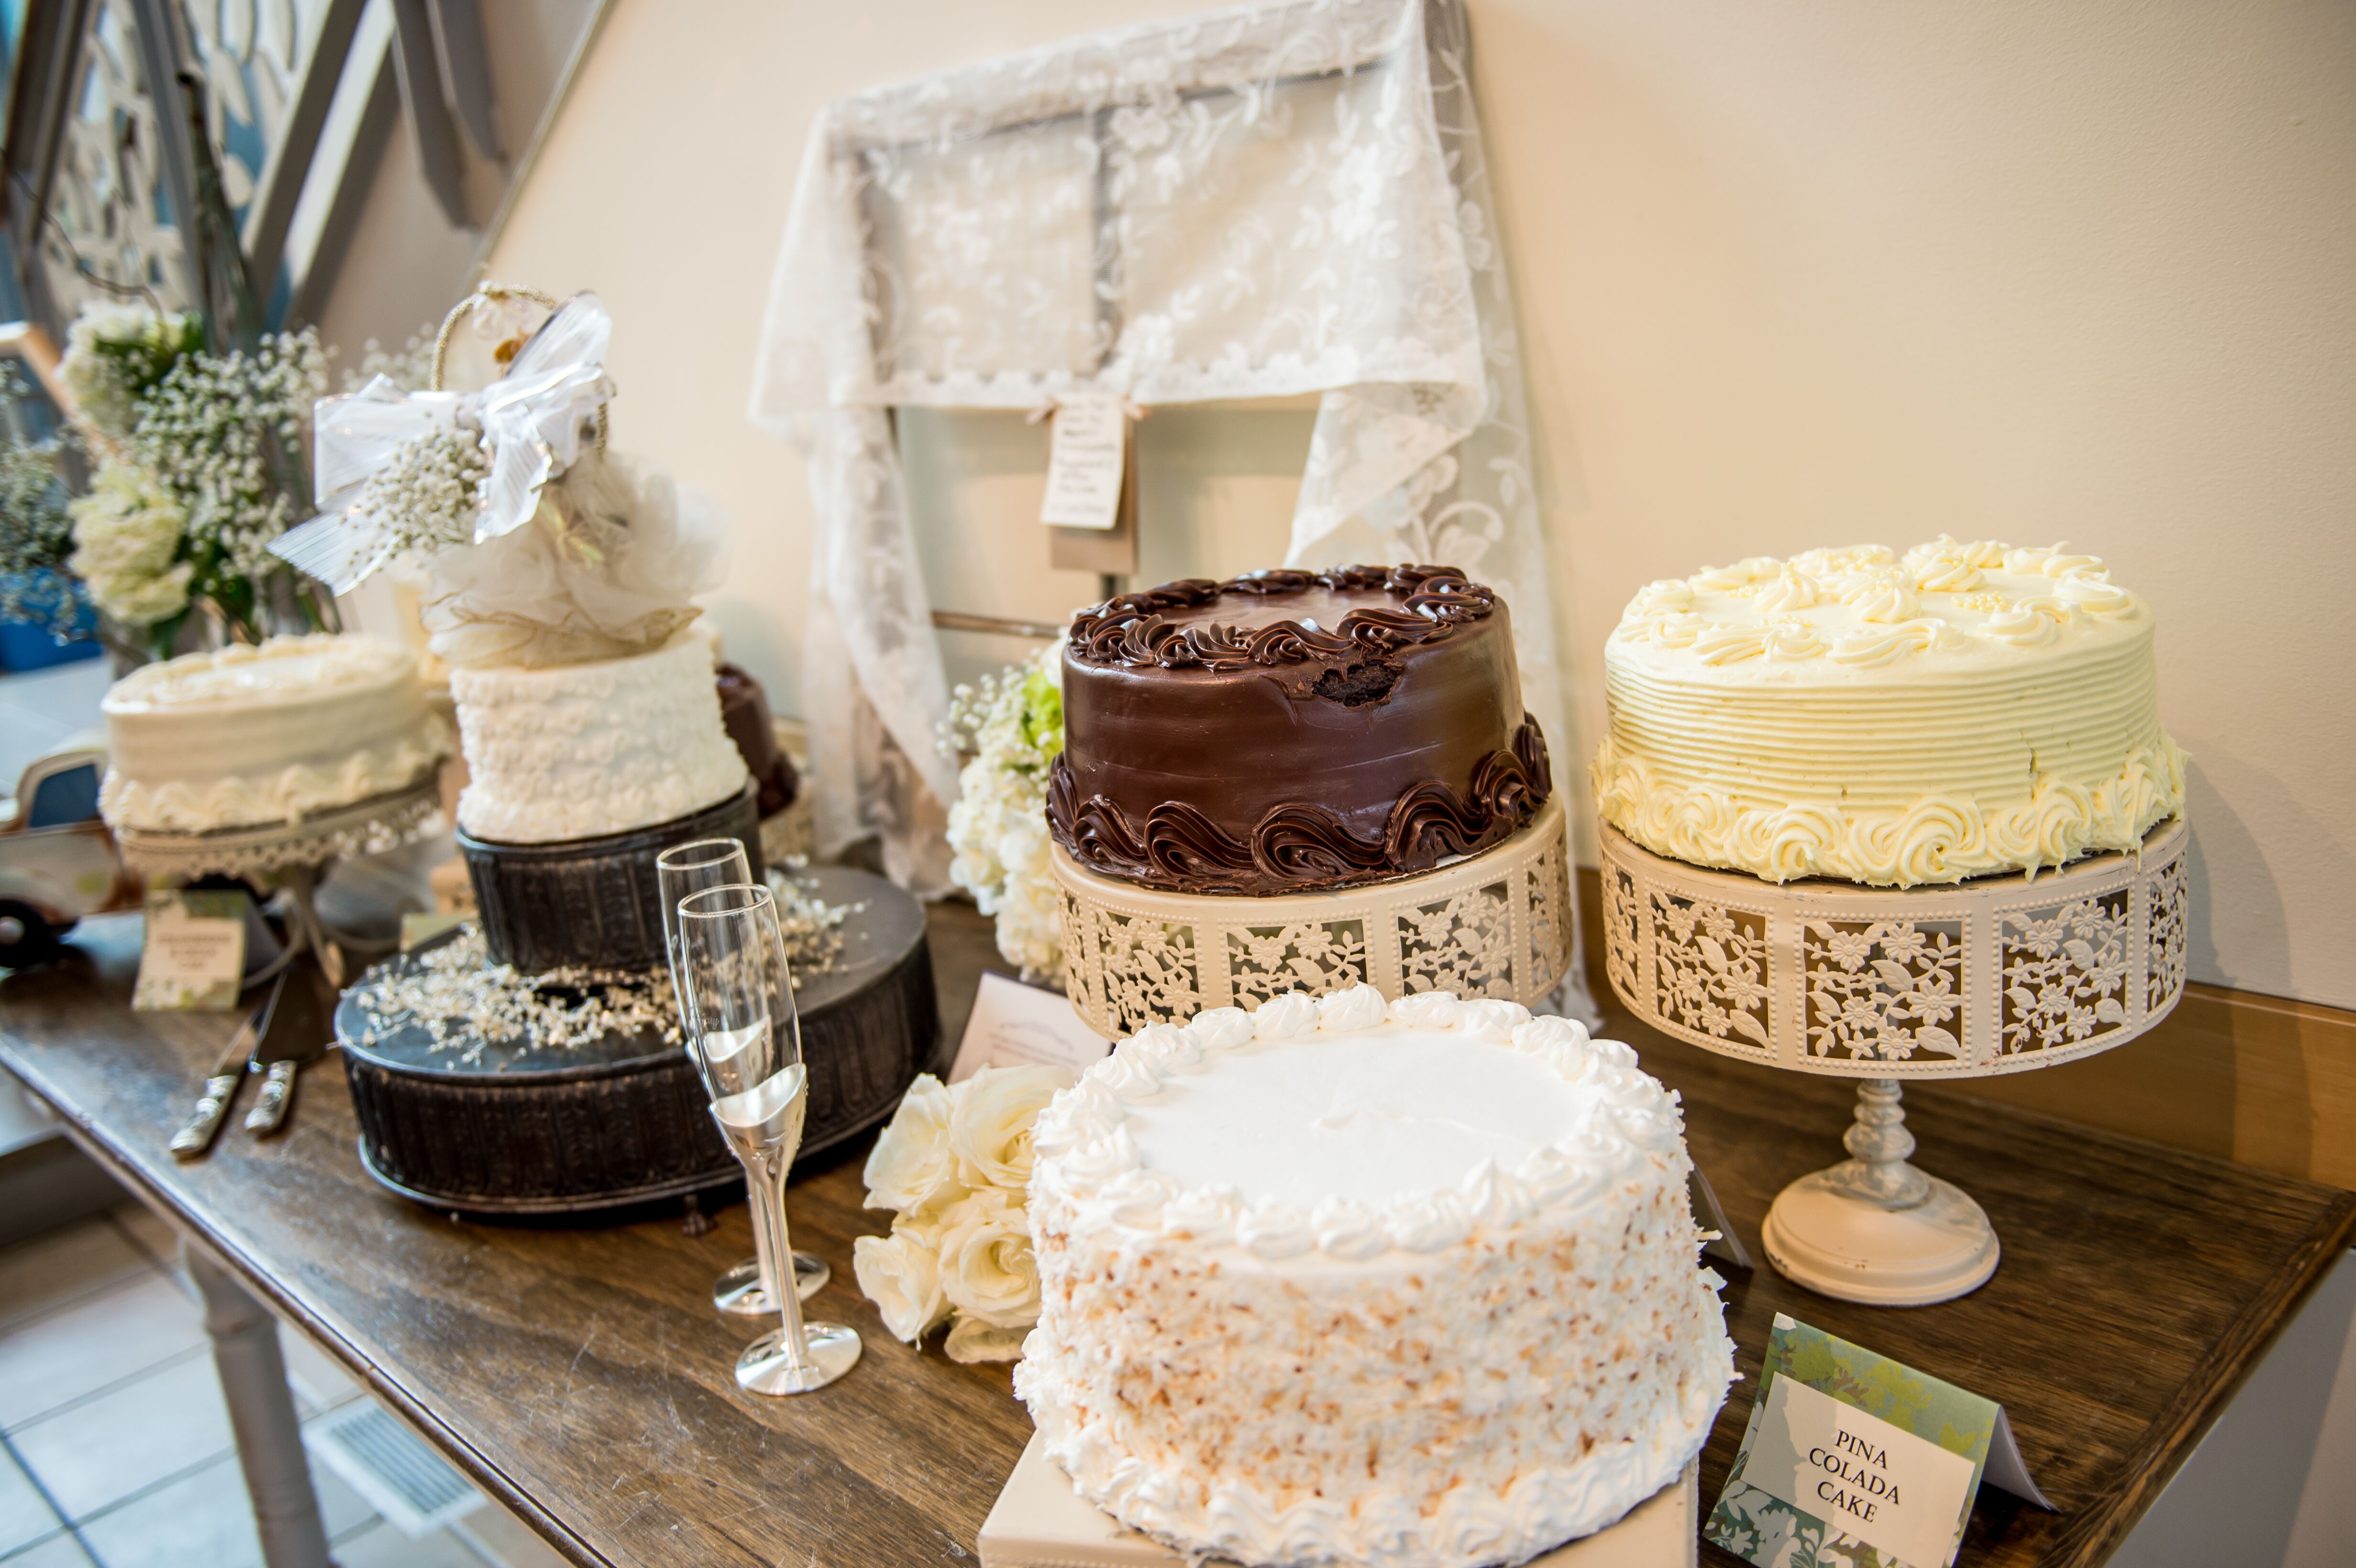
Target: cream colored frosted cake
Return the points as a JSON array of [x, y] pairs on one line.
[[253, 735], [578, 751], [1966, 709], [1329, 1281]]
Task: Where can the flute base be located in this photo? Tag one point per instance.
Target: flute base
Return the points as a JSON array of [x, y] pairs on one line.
[[739, 1290], [832, 1350]]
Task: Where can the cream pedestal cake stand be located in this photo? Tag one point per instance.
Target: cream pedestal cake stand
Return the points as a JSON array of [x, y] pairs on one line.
[[1492, 924], [292, 855], [1993, 975]]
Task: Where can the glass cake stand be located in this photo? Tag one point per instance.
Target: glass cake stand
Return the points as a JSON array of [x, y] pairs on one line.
[[292, 855], [1994, 975]]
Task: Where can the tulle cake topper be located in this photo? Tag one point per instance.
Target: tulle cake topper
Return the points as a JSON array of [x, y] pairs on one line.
[[540, 547]]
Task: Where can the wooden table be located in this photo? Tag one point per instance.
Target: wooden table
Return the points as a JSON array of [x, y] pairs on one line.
[[579, 1374]]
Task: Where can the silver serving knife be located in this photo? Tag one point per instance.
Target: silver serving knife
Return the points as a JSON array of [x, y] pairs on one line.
[[298, 1031], [220, 1084]]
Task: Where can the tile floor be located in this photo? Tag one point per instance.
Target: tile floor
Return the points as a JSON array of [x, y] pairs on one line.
[[115, 1444]]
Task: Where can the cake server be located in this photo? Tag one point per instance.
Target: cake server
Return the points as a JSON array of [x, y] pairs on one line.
[[298, 1031], [196, 1134]]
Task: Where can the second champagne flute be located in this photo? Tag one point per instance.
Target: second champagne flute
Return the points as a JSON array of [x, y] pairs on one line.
[[682, 869], [740, 1006]]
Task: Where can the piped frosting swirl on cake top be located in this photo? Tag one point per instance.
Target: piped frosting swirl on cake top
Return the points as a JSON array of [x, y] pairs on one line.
[[1412, 1284], [1964, 710]]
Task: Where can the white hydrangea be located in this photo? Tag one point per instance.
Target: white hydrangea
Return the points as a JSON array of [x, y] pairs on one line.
[[126, 532], [998, 827]]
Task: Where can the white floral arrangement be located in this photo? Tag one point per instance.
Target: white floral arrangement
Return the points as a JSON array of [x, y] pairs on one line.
[[201, 465], [1014, 725], [956, 1165]]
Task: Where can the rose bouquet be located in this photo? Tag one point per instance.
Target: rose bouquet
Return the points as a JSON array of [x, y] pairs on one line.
[[1013, 726], [956, 1165]]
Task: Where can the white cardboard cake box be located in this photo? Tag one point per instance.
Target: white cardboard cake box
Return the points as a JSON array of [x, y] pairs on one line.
[[1039, 1521]]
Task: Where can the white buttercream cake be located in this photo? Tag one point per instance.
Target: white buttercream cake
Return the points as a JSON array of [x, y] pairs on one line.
[[1411, 1286], [251, 735], [1965, 709], [579, 751]]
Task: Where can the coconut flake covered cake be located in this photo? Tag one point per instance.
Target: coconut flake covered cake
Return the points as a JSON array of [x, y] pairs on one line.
[[1333, 1281]]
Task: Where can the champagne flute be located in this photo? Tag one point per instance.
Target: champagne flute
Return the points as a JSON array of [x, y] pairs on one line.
[[740, 1010], [682, 869]]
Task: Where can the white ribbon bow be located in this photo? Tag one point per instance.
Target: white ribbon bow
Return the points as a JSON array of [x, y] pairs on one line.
[[530, 421]]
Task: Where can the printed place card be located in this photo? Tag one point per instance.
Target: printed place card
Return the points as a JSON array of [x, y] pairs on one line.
[[195, 957], [1854, 1459], [1013, 1024], [1085, 449]]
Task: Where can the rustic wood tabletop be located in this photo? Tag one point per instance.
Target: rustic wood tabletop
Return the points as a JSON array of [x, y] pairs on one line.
[[578, 1372]]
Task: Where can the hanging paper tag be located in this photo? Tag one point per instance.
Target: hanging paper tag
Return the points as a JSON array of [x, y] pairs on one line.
[[1084, 460], [1854, 1457], [194, 960], [1013, 1025]]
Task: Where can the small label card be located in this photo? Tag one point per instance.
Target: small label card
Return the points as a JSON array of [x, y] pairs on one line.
[[1854, 1459], [1085, 448], [1013, 1024], [195, 956]]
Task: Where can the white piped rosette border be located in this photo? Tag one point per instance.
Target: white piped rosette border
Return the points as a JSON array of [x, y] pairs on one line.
[[1087, 1160]]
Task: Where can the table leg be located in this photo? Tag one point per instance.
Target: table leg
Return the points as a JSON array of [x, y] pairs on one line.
[[261, 1413]]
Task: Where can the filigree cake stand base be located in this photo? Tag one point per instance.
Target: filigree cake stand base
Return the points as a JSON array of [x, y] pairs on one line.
[[292, 855], [1492, 924], [1993, 975]]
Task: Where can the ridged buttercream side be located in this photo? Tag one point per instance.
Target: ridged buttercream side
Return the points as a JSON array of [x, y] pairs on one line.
[[1976, 710]]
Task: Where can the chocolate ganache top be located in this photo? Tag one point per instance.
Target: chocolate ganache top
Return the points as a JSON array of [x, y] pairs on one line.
[[1288, 732]]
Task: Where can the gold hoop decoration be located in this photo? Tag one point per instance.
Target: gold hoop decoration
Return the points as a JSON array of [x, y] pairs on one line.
[[491, 293]]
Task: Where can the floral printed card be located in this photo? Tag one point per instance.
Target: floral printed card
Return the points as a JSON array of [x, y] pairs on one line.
[[1853, 1460], [194, 960]]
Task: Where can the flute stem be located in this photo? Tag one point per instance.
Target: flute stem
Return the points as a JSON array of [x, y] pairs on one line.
[[776, 1249]]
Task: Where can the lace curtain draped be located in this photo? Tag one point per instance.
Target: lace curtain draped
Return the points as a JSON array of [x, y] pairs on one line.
[[1274, 200]]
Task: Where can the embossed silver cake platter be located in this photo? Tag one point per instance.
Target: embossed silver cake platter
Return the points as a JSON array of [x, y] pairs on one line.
[[292, 855], [1993, 975]]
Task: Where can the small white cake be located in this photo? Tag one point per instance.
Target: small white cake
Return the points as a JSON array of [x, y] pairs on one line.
[[258, 734], [1413, 1287], [1971, 709], [579, 751]]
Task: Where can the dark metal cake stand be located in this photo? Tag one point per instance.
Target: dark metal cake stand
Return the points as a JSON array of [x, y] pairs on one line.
[[526, 1129]]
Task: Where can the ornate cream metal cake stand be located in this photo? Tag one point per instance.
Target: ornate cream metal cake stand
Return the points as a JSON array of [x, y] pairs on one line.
[[1492, 924], [1997, 974], [291, 855]]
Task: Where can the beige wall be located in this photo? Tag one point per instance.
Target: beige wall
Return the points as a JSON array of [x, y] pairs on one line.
[[1790, 274]]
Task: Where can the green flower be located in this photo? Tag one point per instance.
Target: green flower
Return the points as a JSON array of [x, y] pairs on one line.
[[1043, 714]]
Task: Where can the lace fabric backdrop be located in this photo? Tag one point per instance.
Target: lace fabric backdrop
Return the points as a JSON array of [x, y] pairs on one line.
[[1282, 200]]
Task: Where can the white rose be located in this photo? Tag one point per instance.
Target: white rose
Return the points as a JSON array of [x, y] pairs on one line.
[[990, 1120], [971, 1339], [913, 1166], [1285, 1016], [902, 1276], [1342, 1012], [986, 1269]]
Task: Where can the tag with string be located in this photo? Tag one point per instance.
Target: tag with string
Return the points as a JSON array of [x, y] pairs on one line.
[[1090, 504]]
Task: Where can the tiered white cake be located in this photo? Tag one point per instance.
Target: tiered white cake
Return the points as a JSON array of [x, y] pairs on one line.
[[253, 735], [1967, 709], [1412, 1287], [577, 750]]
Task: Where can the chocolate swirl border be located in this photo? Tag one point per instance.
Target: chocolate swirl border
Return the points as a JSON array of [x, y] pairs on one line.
[[1303, 847], [1132, 629]]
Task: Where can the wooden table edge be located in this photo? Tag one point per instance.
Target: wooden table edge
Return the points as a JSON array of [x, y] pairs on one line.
[[320, 1331], [2102, 1529]]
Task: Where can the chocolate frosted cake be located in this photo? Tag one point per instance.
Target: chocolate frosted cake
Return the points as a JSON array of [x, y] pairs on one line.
[[1289, 731]]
